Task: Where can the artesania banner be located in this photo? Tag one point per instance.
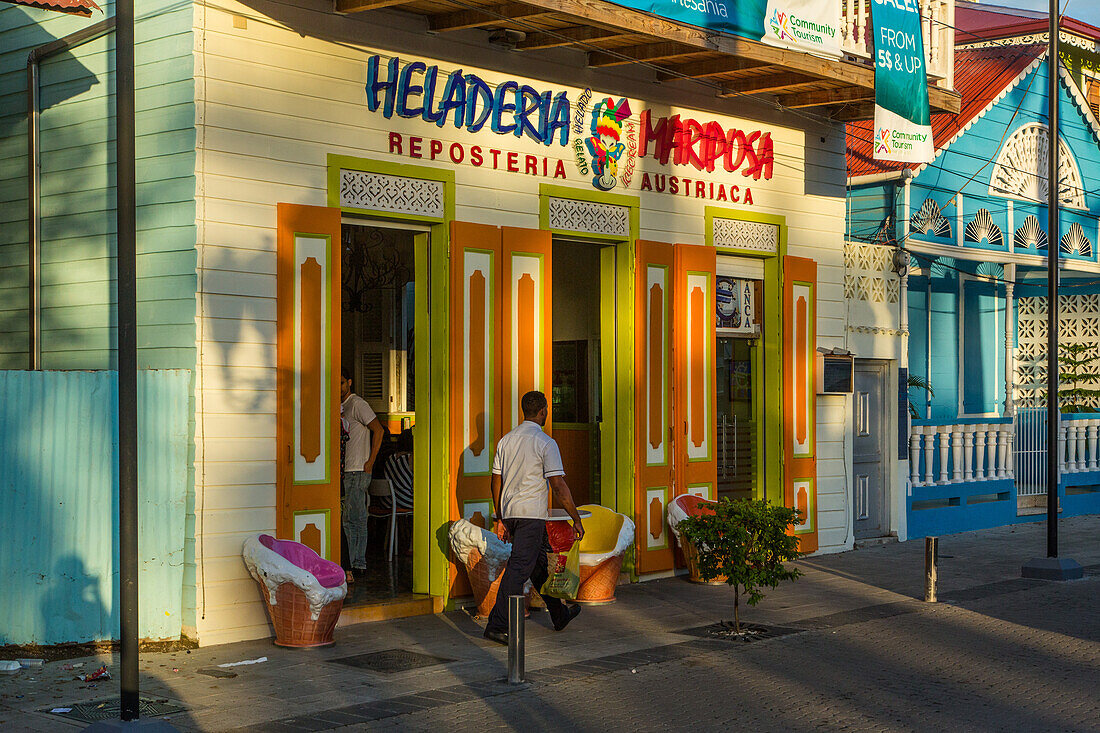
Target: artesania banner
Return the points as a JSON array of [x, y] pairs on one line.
[[903, 126], [804, 25]]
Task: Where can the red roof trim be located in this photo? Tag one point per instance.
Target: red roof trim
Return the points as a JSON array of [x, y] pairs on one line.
[[72, 7]]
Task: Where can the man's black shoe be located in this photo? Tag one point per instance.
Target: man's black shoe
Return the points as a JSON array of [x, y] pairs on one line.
[[571, 612], [500, 637]]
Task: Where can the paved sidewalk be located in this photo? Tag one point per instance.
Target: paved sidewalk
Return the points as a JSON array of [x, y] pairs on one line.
[[998, 653]]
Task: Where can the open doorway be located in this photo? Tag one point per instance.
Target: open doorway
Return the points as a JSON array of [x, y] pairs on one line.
[[378, 341], [576, 394], [738, 382]]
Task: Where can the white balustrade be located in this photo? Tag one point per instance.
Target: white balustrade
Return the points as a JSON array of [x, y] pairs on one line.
[[967, 452], [1077, 445], [938, 27]]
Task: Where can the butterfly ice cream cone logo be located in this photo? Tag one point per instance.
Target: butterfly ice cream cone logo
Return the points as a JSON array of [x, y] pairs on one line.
[[882, 145], [605, 141], [780, 23]]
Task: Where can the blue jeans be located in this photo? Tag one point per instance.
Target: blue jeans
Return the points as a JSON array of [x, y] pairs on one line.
[[354, 511]]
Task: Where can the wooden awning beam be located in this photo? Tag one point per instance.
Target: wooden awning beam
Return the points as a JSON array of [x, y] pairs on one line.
[[344, 7], [709, 67], [490, 15], [768, 83], [641, 52], [568, 36], [825, 97]]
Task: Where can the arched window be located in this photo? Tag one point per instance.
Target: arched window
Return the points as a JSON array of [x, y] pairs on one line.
[[1021, 169]]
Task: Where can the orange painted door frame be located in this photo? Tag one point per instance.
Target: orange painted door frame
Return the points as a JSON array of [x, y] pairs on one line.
[[799, 398], [654, 456], [526, 294], [307, 423], [694, 415]]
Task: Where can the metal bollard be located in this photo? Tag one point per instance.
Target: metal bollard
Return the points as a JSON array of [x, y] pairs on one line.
[[931, 555], [515, 640]]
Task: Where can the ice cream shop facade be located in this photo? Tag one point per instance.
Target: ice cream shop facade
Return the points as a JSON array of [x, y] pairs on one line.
[[654, 269], [455, 224]]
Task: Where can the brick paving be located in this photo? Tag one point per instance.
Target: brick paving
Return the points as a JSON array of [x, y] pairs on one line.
[[999, 653]]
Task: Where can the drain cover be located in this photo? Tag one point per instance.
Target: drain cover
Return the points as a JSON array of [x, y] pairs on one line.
[[392, 661], [753, 632], [110, 708]]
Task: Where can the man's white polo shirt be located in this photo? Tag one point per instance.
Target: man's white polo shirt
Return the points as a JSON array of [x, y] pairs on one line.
[[525, 458]]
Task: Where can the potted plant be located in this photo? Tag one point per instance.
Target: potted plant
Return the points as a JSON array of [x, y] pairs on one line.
[[1076, 365], [746, 542]]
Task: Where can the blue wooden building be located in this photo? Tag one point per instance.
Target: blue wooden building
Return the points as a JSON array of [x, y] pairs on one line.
[[973, 223]]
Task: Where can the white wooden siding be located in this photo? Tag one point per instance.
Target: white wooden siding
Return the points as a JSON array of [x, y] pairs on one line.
[[272, 104]]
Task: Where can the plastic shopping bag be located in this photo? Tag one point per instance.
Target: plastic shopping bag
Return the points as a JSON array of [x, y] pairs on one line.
[[565, 573]]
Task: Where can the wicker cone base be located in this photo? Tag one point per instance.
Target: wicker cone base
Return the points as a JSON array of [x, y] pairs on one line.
[[598, 581], [691, 556], [291, 618], [485, 590]]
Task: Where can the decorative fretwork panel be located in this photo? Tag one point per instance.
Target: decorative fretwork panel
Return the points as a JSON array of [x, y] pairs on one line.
[[751, 235], [398, 194], [1021, 169], [928, 219], [1078, 323], [869, 273], [1030, 235], [589, 218], [981, 228]]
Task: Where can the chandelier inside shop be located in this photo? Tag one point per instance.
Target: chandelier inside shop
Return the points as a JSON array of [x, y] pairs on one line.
[[371, 262]]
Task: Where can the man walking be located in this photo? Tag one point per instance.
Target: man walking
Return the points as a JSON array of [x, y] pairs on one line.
[[359, 420], [526, 460]]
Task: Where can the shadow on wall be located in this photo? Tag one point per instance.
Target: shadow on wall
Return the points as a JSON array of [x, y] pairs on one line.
[[78, 84]]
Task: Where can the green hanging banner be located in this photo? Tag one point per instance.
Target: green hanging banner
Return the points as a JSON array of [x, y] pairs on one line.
[[903, 126]]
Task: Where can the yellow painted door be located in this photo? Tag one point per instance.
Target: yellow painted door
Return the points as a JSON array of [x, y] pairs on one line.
[[308, 386]]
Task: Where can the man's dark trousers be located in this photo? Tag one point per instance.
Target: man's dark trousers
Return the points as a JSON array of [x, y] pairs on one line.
[[527, 562]]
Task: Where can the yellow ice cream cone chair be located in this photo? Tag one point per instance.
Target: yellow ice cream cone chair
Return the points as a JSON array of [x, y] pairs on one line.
[[607, 537]]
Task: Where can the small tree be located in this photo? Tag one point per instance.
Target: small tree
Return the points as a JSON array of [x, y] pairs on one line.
[[745, 541], [1075, 365]]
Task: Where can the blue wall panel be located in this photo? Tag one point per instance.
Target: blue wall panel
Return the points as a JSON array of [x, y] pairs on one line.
[[59, 507]]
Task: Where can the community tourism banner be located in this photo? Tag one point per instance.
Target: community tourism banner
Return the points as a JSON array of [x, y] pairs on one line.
[[903, 126], [803, 25]]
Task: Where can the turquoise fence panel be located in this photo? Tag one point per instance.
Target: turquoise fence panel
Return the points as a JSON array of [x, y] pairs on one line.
[[59, 504]]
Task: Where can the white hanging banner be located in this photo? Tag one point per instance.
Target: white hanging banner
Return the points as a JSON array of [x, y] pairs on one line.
[[804, 25]]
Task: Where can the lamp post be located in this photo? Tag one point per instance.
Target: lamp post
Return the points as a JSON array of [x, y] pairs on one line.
[[1052, 567]]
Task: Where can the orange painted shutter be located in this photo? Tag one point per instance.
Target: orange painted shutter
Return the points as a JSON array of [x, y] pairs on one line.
[[475, 319], [526, 297], [799, 400], [654, 455], [694, 411], [308, 386], [500, 349]]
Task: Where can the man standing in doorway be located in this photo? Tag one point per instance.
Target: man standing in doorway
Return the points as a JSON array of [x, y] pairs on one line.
[[526, 460], [364, 440]]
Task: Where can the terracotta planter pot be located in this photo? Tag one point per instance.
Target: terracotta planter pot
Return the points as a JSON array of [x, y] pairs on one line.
[[691, 556], [291, 617]]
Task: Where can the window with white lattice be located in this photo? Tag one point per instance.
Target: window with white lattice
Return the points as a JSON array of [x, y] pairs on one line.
[[1021, 169]]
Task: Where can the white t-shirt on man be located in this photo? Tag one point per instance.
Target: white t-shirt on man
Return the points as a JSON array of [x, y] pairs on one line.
[[525, 458], [357, 415]]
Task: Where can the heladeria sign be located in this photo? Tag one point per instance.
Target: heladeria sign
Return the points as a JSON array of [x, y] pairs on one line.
[[903, 125], [804, 25]]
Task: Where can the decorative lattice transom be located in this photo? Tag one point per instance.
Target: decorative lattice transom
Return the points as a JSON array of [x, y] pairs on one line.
[[869, 273], [589, 218], [751, 235], [1078, 323], [1030, 235], [1074, 242], [398, 194], [1021, 169], [928, 219]]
